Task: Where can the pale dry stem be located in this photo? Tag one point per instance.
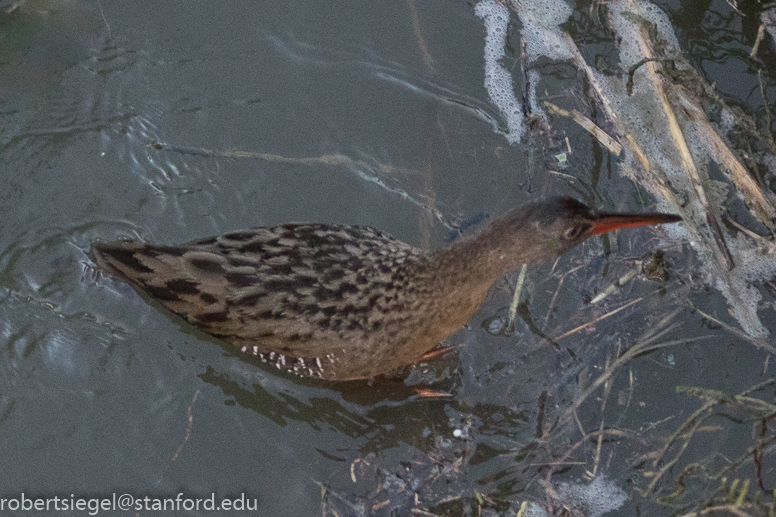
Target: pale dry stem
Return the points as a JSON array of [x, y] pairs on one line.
[[516, 298], [735, 331], [325, 492], [588, 125], [599, 318], [731, 508], [428, 61], [187, 434]]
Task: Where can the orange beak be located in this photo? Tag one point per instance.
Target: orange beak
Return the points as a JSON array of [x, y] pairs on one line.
[[606, 222]]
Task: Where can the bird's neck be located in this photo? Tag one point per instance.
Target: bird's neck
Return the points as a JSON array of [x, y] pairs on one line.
[[489, 255], [449, 285]]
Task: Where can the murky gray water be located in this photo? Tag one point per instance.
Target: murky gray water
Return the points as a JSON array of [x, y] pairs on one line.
[[100, 392]]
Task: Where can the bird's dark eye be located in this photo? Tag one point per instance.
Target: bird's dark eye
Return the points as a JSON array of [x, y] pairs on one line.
[[571, 233]]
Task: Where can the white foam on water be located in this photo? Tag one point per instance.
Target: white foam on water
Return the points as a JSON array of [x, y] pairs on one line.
[[533, 100], [593, 500], [541, 34], [498, 80], [625, 19], [597, 498]]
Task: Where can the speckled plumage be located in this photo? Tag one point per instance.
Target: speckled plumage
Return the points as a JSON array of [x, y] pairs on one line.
[[339, 302]]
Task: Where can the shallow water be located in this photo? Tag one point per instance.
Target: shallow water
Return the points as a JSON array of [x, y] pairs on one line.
[[100, 392]]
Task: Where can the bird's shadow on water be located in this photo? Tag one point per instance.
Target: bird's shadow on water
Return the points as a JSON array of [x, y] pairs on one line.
[[358, 409]]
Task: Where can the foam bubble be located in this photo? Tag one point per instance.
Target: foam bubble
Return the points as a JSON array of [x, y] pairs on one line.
[[597, 498]]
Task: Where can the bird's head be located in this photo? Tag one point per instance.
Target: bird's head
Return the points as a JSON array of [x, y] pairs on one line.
[[549, 228]]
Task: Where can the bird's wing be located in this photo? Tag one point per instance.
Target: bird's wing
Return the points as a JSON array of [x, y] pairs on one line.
[[301, 288]]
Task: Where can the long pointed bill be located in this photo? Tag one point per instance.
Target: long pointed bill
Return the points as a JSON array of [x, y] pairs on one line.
[[606, 222]]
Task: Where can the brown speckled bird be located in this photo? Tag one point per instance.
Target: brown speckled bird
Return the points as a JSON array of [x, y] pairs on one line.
[[346, 302]]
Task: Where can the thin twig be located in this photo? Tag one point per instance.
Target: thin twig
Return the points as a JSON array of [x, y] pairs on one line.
[[756, 46], [554, 296], [605, 398], [600, 318], [516, 298], [734, 5], [102, 13], [765, 105], [588, 125], [740, 334], [190, 419], [721, 508], [428, 61], [418, 511], [335, 494]]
